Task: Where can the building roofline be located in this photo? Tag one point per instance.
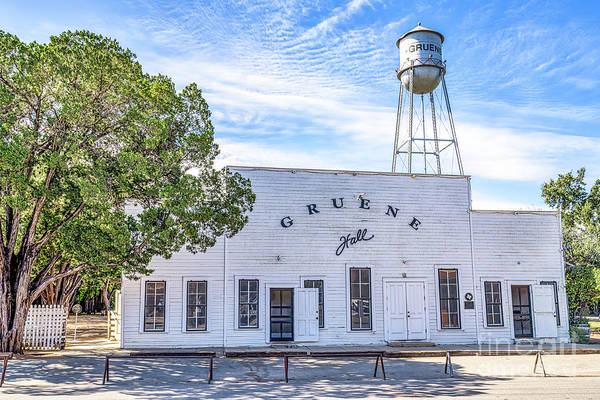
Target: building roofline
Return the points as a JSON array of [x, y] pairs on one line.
[[343, 171], [517, 212]]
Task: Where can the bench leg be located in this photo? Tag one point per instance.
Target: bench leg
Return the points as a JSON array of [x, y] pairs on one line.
[[4, 364], [210, 370], [538, 357], [285, 366], [376, 365], [382, 367], [105, 377]]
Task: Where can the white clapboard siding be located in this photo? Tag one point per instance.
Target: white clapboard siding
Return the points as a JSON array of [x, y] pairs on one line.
[[517, 248], [45, 327], [284, 257]]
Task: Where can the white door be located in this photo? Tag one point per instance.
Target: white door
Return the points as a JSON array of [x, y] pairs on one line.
[[415, 306], [395, 313], [543, 311], [306, 315], [405, 311]]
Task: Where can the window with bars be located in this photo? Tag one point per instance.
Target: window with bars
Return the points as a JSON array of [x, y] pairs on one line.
[[154, 306], [449, 301], [248, 303], [493, 303], [360, 298], [196, 306], [318, 283], [553, 283]]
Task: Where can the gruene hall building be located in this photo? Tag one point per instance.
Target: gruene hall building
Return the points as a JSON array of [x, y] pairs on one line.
[[350, 257]]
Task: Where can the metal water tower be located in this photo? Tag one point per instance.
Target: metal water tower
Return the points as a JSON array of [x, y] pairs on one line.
[[425, 140]]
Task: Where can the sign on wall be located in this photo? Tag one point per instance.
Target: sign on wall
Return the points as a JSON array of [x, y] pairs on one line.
[[362, 234]]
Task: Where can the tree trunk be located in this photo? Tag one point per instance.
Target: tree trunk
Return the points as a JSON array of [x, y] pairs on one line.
[[105, 296], [14, 303]]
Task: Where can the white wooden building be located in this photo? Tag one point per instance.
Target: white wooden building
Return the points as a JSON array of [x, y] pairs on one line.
[[349, 257]]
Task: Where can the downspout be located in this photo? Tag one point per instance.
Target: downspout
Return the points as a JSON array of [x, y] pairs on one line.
[[473, 263], [562, 263], [121, 309], [224, 292]]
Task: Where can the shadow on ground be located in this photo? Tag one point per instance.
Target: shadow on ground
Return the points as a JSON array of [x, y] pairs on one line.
[[239, 378]]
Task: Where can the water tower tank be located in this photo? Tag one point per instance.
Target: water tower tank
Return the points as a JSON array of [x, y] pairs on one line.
[[421, 48]]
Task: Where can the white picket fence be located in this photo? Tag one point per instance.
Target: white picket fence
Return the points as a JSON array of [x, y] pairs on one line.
[[45, 328]]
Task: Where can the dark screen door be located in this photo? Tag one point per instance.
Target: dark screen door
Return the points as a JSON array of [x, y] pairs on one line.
[[521, 311], [282, 315]]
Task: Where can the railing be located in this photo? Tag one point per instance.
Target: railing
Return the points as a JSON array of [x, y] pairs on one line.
[[113, 326]]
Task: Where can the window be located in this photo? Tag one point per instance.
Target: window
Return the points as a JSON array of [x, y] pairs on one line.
[[319, 285], [360, 298], [154, 306], [196, 306], [248, 303], [493, 304], [449, 302], [553, 283]]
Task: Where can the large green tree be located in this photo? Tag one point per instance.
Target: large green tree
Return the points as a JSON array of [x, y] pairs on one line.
[[581, 235], [84, 132]]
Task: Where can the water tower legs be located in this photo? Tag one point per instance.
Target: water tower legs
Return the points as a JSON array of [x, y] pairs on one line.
[[438, 129], [458, 159], [436, 144], [396, 136], [410, 118]]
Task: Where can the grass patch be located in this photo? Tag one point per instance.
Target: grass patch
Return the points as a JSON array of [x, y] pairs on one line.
[[594, 326]]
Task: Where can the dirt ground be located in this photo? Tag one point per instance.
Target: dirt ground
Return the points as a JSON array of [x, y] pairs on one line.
[[91, 339], [507, 377], [77, 371]]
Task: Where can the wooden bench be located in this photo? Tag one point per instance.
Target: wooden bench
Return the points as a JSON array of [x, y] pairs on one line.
[[378, 355], [210, 355], [5, 357]]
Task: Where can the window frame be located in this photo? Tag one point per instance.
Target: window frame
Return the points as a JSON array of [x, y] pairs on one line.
[[440, 299], [187, 305], [499, 303], [145, 306], [556, 303], [370, 299], [239, 303], [311, 279]]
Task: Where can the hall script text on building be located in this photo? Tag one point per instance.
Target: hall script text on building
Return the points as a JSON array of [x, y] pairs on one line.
[[361, 234]]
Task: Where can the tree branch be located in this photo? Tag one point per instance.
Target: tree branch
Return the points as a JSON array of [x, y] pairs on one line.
[[50, 234], [2, 256], [35, 215], [37, 291], [46, 269], [12, 228]]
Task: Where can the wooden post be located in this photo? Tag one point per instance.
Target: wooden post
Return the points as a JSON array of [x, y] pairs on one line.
[[108, 327], [285, 365], [210, 370], [105, 378], [449, 365], [4, 365]]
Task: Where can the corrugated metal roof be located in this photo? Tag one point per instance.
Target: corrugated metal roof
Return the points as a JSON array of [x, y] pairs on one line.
[[419, 28]]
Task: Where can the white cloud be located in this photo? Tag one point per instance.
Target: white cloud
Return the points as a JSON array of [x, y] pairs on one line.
[[339, 15], [243, 153], [482, 201], [251, 105], [524, 156]]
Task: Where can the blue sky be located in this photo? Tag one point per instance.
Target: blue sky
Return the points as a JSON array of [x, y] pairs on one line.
[[295, 83]]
